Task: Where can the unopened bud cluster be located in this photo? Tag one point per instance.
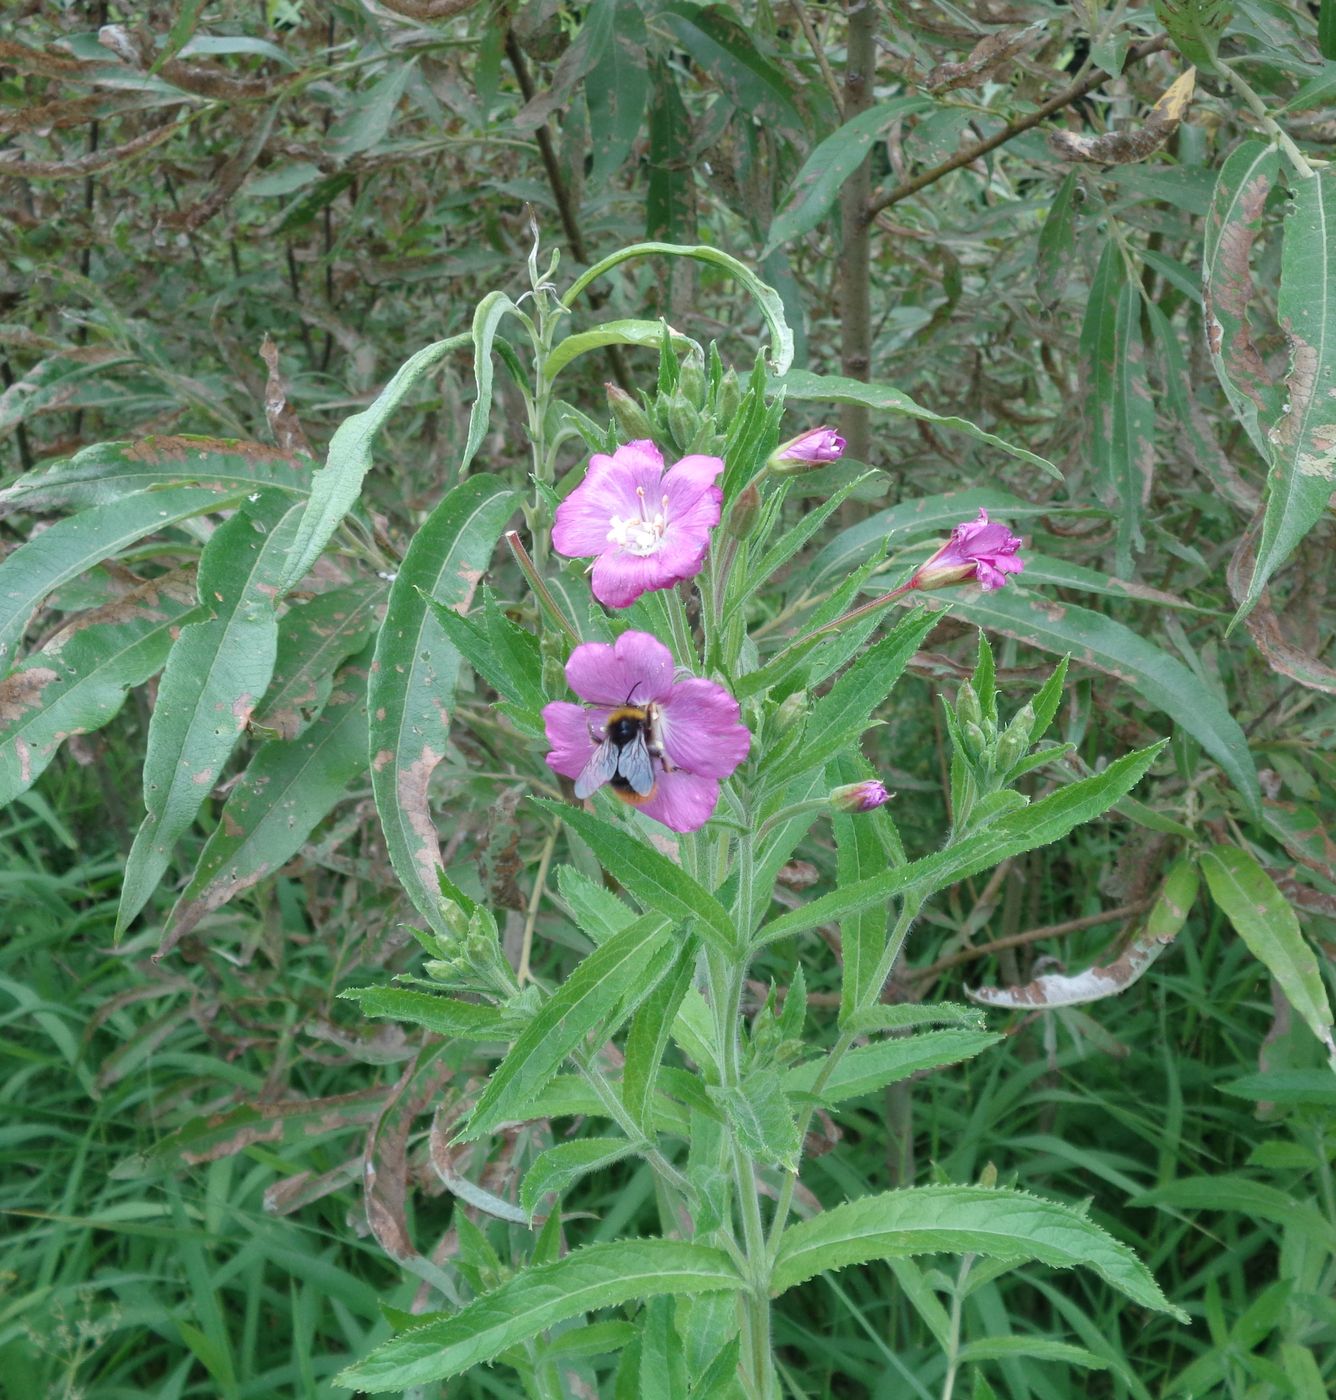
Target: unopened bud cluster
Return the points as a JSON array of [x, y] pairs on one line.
[[469, 958], [988, 751], [693, 414]]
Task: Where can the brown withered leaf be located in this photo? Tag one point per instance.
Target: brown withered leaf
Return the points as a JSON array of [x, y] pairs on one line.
[[1263, 623], [231, 174], [282, 417], [985, 58], [1126, 147]]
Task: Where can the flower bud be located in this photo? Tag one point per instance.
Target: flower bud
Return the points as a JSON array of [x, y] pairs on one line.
[[691, 382], [866, 796], [628, 414], [790, 712], [977, 549], [743, 515], [730, 397], [683, 420], [1015, 741], [815, 448], [974, 740], [968, 709]]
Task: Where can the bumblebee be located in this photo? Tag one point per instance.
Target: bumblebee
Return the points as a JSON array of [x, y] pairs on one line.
[[627, 744]]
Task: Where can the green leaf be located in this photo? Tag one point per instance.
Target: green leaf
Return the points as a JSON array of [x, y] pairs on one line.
[[600, 992], [670, 211], [1033, 1349], [1303, 472], [504, 655], [801, 385], [647, 333], [598, 1276], [1153, 676], [215, 675], [765, 297], [650, 878], [868, 1068], [314, 639], [441, 1015], [817, 185], [492, 309], [411, 693], [762, 1117], [596, 910], [106, 471], [1119, 414], [1041, 823], [337, 485], [1196, 27], [648, 1037], [1228, 291], [1239, 1196], [1266, 922], [64, 550], [1006, 1225], [285, 791], [559, 1167], [839, 718], [616, 92], [1056, 252], [80, 678], [716, 40]]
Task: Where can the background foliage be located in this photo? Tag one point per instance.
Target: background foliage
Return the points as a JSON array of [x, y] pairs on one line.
[[229, 222]]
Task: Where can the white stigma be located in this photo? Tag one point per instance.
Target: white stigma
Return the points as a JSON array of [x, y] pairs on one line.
[[640, 534]]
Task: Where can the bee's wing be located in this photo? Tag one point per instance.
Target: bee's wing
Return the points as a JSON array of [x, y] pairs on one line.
[[634, 765], [600, 769]]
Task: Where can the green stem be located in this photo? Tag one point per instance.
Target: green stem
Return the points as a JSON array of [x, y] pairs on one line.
[[677, 618], [909, 911], [617, 1111], [1267, 122], [953, 1336]]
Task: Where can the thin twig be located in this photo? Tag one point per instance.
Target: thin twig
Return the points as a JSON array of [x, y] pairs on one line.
[[1033, 935], [818, 48], [1096, 78]]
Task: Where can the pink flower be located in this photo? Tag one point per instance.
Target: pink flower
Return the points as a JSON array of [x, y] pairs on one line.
[[976, 549], [866, 796], [658, 744], [814, 448], [648, 528]]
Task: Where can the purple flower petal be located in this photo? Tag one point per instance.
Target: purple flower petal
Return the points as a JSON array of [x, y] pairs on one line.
[[682, 801], [636, 668], [567, 729], [619, 578], [691, 478], [609, 490], [701, 730]]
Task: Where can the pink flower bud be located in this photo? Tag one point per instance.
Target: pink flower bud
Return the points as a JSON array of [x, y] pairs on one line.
[[814, 448], [860, 797]]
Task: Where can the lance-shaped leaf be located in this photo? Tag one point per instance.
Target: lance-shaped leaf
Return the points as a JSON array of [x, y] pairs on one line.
[[648, 1037], [1005, 1225], [1152, 675], [840, 717], [337, 485], [79, 680], [1037, 825], [1120, 420], [441, 1015], [598, 1276], [287, 789], [602, 991], [1266, 922], [1303, 470], [413, 677], [817, 185], [1196, 27], [106, 471], [617, 91], [214, 677], [801, 384], [314, 639], [766, 298], [646, 333], [652, 879], [559, 1167], [1228, 291], [66, 549], [868, 1068]]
